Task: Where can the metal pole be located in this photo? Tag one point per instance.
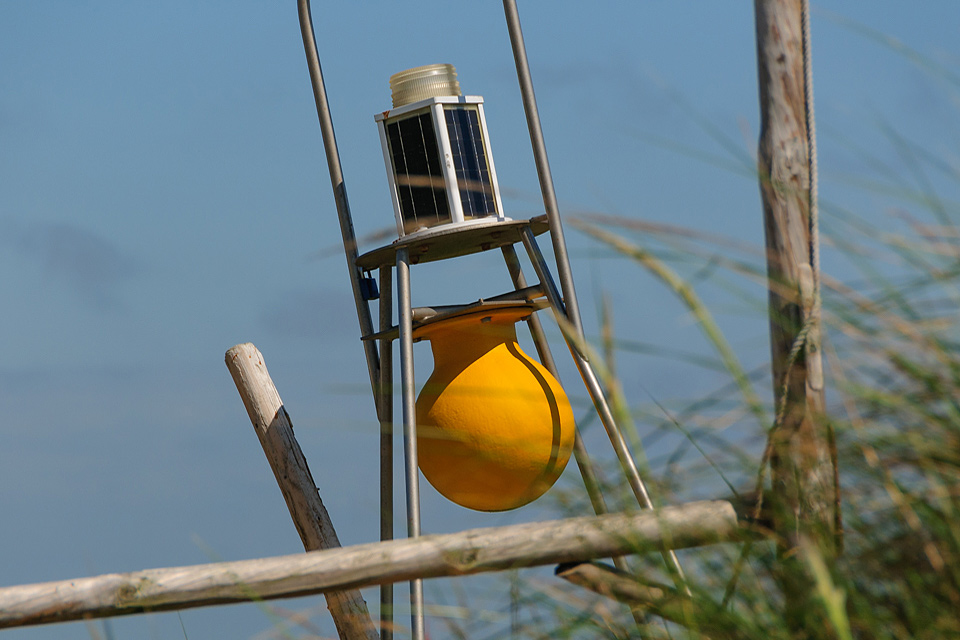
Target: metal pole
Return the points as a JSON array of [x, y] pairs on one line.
[[584, 463], [385, 412], [567, 305], [408, 388], [543, 164], [533, 322], [595, 390], [546, 358], [339, 189], [590, 379]]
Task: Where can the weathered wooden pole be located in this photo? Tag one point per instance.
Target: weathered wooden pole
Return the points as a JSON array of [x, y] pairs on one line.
[[804, 496], [453, 554], [275, 431]]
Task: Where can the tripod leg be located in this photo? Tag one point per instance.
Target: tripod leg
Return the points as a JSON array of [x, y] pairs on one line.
[[546, 358], [385, 412], [408, 385], [584, 464], [595, 390]]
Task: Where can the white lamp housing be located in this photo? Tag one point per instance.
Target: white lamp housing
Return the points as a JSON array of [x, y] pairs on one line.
[[437, 153]]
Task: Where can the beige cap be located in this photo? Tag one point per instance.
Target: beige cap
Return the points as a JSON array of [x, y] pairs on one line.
[[420, 83]]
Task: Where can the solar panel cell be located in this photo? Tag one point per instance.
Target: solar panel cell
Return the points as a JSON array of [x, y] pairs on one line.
[[417, 172], [470, 162]]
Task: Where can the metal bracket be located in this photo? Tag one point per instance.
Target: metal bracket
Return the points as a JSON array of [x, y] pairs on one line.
[[368, 289]]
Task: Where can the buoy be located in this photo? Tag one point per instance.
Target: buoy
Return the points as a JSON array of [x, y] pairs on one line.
[[494, 427]]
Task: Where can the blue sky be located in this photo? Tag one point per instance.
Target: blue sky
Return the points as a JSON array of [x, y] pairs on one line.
[[163, 196]]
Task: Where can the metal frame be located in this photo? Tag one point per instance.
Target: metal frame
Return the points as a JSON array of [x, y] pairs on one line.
[[379, 361]]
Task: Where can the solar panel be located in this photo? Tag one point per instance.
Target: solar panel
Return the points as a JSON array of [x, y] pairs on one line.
[[417, 172], [470, 162]]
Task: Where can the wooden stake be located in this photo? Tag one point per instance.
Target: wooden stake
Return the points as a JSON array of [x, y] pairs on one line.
[[467, 552], [802, 465], [275, 431]]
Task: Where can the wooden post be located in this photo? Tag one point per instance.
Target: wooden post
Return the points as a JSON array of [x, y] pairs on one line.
[[803, 471], [275, 431], [452, 554]]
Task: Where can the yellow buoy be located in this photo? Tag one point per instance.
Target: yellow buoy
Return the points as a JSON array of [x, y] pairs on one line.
[[494, 427]]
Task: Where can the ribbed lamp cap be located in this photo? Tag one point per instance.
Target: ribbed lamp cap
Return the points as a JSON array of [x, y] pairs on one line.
[[420, 83]]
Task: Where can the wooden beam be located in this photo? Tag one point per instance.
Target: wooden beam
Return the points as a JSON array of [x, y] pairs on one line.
[[698, 614], [619, 585], [275, 431], [467, 552]]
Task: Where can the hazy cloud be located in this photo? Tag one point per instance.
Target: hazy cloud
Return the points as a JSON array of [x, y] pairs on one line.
[[85, 262]]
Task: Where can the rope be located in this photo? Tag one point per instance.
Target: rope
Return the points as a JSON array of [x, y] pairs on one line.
[[816, 311], [798, 344], [814, 222]]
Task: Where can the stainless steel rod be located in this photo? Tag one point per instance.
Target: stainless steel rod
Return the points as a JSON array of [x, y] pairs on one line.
[[408, 389], [385, 413], [339, 189], [595, 389], [564, 272], [533, 322], [580, 454], [590, 381]]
